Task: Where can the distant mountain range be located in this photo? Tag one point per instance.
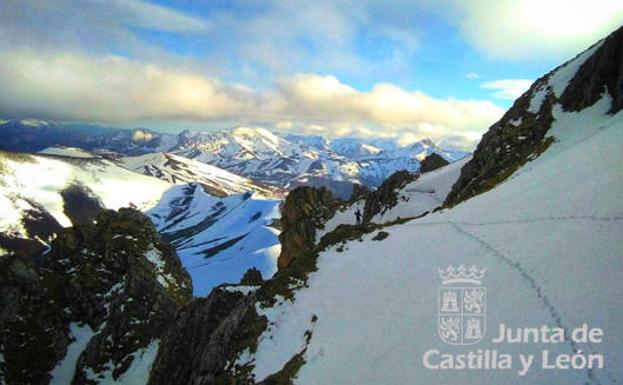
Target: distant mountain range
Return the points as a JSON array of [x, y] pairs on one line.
[[279, 159]]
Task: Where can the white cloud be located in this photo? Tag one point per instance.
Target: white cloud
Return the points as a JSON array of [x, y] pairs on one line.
[[472, 75], [75, 87], [113, 89], [508, 88], [387, 105], [535, 28]]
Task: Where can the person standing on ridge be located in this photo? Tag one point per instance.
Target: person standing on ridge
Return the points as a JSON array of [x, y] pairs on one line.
[[358, 216]]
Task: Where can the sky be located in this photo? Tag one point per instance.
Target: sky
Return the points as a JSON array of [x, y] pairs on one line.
[[406, 70]]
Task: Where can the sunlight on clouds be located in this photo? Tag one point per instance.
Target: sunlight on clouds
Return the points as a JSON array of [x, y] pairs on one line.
[[386, 105], [114, 89], [74, 87], [530, 28]]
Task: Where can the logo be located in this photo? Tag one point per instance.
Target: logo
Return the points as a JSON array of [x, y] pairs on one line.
[[461, 308]]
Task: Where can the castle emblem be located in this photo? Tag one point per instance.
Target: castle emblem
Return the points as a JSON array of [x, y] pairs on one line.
[[461, 305]]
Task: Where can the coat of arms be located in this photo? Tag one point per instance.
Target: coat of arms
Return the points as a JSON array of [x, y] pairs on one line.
[[461, 305]]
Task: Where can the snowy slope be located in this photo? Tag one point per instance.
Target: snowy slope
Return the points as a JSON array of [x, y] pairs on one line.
[[40, 179], [73, 152], [178, 169], [219, 238], [549, 238], [425, 194]]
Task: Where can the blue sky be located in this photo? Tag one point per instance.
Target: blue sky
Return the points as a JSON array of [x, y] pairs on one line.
[[443, 69]]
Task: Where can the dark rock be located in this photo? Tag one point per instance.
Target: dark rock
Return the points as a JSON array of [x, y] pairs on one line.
[[380, 236], [305, 210], [80, 204], [114, 275], [124, 275], [505, 147], [33, 326], [359, 192], [602, 71], [204, 338], [432, 162], [386, 196], [252, 277]]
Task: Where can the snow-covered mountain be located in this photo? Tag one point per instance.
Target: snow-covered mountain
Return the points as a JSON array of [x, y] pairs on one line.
[[219, 239], [33, 135], [41, 193], [177, 169], [292, 160], [283, 160], [217, 236]]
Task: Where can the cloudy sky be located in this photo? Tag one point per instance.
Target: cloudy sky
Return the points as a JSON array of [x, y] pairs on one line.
[[404, 69]]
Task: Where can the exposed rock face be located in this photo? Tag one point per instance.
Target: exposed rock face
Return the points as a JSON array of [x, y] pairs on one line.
[[520, 135], [305, 210], [252, 277], [359, 192], [80, 205], [432, 162], [33, 327], [204, 338], [115, 276], [509, 143], [386, 196], [602, 71]]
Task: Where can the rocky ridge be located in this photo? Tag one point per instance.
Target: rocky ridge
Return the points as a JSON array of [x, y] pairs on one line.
[[521, 134], [114, 278]]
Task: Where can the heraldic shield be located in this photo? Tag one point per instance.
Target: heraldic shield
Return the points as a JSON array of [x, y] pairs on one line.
[[461, 307]]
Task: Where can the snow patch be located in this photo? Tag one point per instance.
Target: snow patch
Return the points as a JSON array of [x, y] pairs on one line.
[[243, 289], [42, 179], [154, 256], [64, 371], [72, 152], [137, 373]]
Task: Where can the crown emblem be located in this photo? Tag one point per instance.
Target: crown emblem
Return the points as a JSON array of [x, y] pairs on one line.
[[461, 274]]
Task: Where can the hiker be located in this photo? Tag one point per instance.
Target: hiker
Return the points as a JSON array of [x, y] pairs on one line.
[[358, 216]]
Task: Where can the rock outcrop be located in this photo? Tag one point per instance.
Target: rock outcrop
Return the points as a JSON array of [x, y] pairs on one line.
[[33, 327], [200, 345], [80, 205], [602, 71], [386, 196], [114, 276], [432, 162], [520, 135], [305, 210], [252, 277]]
